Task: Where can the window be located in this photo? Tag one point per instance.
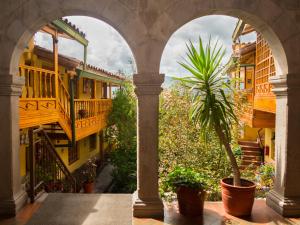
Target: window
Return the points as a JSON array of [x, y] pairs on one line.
[[73, 154], [93, 142]]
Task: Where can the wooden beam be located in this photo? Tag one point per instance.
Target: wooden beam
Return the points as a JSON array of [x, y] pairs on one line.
[[69, 30], [55, 60]]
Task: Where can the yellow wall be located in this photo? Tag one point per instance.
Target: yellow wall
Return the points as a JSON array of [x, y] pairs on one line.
[[22, 160], [249, 134], [269, 134], [85, 152]]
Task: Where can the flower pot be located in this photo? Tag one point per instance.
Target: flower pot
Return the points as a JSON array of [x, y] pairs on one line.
[[190, 201], [88, 187], [238, 201]]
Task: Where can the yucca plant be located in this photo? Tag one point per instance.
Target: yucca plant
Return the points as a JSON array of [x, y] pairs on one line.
[[213, 106]]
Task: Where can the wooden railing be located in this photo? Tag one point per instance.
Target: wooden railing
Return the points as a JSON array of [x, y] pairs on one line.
[[91, 107], [47, 171], [39, 83], [45, 99]]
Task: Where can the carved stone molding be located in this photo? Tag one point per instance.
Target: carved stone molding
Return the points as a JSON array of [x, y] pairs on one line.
[[11, 85], [148, 84], [286, 206], [285, 84]]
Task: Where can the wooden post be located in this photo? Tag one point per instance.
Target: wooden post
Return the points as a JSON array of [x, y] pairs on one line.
[[72, 109], [95, 89], [104, 90], [55, 60], [31, 165], [101, 89], [110, 91]]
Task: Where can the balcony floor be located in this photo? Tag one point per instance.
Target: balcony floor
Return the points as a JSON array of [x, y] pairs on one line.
[[114, 209]]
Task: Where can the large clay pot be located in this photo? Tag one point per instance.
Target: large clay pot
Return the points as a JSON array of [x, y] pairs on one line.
[[88, 187], [238, 201], [190, 201]]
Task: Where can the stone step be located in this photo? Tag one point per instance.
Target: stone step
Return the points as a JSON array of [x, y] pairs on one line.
[[249, 143], [251, 157], [248, 162], [252, 153], [250, 148]]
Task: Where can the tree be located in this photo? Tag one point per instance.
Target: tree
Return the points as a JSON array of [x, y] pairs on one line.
[[212, 104]]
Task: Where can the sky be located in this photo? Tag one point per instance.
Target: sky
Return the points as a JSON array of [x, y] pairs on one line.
[[107, 49]]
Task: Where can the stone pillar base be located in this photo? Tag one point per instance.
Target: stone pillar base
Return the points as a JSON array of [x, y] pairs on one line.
[[10, 207], [288, 207], [153, 208]]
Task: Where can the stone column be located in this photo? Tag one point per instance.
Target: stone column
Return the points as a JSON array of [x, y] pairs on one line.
[[285, 197], [12, 196], [146, 200]]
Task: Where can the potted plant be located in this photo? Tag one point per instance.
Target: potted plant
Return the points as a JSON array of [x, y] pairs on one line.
[[89, 173], [190, 187], [213, 110]]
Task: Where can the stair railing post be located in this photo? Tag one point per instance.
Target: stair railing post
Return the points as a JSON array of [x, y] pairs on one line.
[[31, 165], [72, 109]]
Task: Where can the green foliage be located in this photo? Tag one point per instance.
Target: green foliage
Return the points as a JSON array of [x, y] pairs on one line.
[[121, 134], [121, 131], [124, 173], [182, 176], [88, 171], [181, 144], [212, 106], [263, 176], [266, 175]]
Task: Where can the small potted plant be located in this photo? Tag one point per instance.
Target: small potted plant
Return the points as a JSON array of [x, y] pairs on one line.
[[190, 187], [89, 173]]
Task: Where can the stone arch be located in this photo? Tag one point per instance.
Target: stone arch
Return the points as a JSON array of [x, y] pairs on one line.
[[272, 23], [21, 28]]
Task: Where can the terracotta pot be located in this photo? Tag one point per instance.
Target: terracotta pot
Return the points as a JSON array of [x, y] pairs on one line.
[[238, 201], [88, 187], [190, 201]]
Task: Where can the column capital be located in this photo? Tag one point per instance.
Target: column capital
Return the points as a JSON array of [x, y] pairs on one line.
[[148, 83], [284, 84], [11, 85]]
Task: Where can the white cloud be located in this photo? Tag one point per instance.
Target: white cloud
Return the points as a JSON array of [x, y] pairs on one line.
[[218, 27], [107, 48]]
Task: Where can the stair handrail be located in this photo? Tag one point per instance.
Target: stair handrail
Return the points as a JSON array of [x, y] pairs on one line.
[[50, 148], [261, 145]]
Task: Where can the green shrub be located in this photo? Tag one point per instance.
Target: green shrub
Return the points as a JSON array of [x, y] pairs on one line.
[[186, 177], [121, 133]]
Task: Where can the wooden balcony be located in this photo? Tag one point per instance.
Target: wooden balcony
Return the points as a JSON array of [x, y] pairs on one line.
[[45, 99], [253, 117], [90, 116], [264, 98]]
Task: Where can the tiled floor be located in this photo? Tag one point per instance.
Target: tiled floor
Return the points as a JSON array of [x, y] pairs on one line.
[[213, 215]]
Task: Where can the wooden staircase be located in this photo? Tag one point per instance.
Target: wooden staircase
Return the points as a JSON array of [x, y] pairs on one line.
[[251, 154], [47, 170]]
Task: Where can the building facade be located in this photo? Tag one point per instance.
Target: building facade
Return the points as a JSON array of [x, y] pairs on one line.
[[63, 106], [253, 65]]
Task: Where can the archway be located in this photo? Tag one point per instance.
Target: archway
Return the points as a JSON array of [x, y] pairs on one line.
[[15, 188], [282, 70], [147, 26]]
